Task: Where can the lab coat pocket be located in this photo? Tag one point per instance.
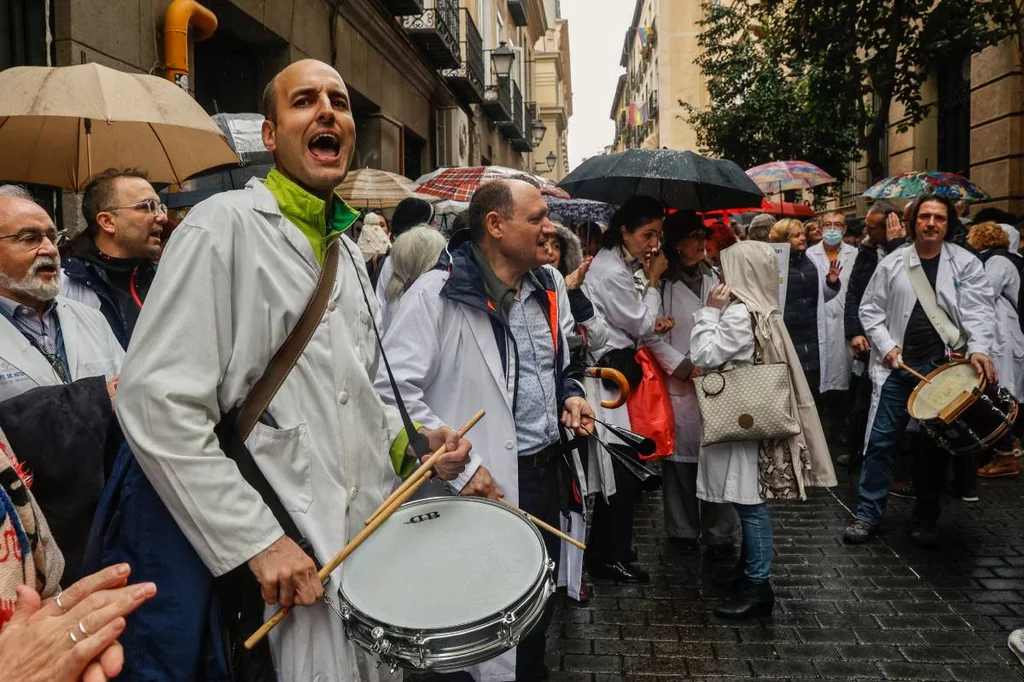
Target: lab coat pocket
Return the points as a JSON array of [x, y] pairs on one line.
[[284, 456]]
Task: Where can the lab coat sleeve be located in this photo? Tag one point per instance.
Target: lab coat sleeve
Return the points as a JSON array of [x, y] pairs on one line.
[[623, 308], [667, 356], [413, 347], [1004, 279], [720, 335], [167, 403], [872, 311], [977, 313]]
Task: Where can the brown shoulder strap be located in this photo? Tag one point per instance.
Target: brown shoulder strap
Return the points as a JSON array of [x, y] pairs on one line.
[[288, 354]]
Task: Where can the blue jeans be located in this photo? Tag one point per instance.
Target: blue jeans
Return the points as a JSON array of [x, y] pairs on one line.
[[758, 541], [883, 446]]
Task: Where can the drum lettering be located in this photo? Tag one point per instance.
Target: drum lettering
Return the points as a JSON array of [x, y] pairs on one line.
[[429, 516]]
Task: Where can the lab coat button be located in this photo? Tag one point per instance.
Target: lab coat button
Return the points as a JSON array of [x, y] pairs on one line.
[[353, 493], [331, 306], [509, 445], [343, 397]]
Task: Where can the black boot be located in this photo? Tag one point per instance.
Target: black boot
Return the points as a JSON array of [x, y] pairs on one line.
[[730, 579], [753, 599]]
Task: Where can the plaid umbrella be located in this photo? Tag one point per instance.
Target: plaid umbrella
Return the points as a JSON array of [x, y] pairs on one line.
[[581, 210], [916, 183], [781, 176], [459, 184], [368, 188]]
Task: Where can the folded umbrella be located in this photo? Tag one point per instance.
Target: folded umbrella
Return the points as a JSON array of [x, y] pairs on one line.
[[679, 179]]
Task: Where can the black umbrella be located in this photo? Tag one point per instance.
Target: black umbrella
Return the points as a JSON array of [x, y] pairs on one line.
[[680, 179]]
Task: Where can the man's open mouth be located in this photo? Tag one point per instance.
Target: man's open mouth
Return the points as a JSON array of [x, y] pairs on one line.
[[325, 146]]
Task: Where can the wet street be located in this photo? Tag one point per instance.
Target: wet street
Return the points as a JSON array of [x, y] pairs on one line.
[[885, 611]]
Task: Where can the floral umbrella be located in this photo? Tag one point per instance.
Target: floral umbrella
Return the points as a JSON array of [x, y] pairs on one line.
[[916, 183], [782, 176]]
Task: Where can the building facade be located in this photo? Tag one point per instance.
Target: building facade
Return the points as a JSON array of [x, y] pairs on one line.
[[975, 129], [423, 88], [659, 53]]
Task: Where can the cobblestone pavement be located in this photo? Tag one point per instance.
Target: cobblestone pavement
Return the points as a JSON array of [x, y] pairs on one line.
[[885, 611]]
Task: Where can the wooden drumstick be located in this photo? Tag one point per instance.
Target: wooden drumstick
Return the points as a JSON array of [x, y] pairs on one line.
[[914, 372], [545, 526], [385, 512], [428, 463]]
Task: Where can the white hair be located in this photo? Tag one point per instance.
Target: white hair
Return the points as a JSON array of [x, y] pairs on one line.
[[16, 192], [414, 252]]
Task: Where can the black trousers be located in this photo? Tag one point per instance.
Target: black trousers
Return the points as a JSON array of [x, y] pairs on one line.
[[539, 495], [860, 393], [931, 464], [611, 533]]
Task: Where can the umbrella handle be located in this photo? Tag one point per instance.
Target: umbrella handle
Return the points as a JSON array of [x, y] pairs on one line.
[[613, 375]]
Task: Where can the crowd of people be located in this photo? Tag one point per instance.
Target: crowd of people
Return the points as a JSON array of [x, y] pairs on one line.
[[152, 354]]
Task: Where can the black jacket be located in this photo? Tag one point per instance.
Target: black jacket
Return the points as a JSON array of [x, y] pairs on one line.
[[863, 268], [111, 280]]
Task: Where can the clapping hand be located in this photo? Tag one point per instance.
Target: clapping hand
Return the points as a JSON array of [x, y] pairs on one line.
[[575, 278]]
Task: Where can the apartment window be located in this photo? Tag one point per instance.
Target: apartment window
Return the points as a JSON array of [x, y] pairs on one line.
[[954, 106], [22, 33]]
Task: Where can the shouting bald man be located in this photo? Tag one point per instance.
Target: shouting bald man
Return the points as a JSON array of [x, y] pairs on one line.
[[233, 281]]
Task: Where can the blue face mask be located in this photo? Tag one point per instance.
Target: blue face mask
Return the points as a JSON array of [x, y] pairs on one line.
[[832, 237]]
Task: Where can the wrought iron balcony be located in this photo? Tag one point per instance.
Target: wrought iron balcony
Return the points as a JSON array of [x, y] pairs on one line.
[[498, 100], [467, 81], [401, 8], [652, 104], [436, 32], [517, 8], [515, 130]]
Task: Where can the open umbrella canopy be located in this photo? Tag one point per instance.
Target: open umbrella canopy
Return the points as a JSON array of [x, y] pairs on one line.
[[371, 189], [680, 179], [61, 125], [782, 176], [581, 210], [459, 184], [917, 183]]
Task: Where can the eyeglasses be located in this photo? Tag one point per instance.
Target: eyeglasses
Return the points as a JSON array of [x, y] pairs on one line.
[[151, 206], [30, 240]]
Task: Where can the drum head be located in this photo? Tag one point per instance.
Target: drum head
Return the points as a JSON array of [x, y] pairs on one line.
[[945, 384], [442, 563]]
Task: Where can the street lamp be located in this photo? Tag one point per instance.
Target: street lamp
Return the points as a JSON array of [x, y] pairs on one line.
[[502, 59], [551, 159], [538, 131]]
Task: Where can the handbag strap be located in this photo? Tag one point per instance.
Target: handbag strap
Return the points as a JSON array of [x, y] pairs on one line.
[[947, 331], [280, 366]]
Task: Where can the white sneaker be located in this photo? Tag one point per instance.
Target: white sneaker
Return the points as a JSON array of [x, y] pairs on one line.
[[1016, 643]]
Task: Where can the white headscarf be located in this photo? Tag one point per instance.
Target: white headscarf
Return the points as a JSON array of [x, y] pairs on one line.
[[373, 240], [751, 269], [1014, 235]]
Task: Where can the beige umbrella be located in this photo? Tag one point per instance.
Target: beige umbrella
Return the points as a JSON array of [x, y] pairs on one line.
[[371, 189], [60, 125]]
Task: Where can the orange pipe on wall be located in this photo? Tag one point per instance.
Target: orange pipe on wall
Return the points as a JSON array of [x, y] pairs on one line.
[[179, 15]]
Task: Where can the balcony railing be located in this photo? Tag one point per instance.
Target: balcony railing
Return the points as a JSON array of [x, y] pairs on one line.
[[652, 104], [517, 8], [515, 130], [401, 8], [436, 32], [467, 81], [498, 100]]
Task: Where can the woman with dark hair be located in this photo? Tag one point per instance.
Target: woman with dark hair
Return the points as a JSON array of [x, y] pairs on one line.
[[623, 285], [684, 290]]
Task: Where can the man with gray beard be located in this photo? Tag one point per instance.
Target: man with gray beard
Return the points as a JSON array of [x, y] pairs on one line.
[[58, 366]]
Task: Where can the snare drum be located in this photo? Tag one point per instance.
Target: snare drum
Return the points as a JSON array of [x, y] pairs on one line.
[[961, 410], [445, 583]]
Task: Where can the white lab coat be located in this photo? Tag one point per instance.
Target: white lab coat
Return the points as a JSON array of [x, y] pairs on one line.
[[446, 362], [834, 352], [232, 283], [962, 290], [1008, 339], [630, 317], [91, 347], [726, 472], [679, 302]]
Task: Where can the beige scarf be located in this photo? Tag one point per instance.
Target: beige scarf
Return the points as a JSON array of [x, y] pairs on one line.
[[785, 467]]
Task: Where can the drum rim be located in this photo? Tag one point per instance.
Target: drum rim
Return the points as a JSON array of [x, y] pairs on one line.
[[538, 578], [934, 373]]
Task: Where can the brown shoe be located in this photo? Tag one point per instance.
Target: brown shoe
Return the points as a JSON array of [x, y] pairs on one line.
[[1002, 466]]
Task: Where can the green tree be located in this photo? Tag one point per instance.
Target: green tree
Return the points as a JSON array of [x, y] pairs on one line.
[[834, 67]]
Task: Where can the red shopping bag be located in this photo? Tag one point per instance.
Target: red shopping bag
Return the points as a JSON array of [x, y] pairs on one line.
[[650, 407]]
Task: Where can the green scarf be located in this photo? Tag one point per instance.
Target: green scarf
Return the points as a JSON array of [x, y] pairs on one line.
[[308, 213]]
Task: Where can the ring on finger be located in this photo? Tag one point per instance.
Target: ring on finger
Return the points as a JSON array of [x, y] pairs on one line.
[[59, 604], [71, 634], [81, 628]]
